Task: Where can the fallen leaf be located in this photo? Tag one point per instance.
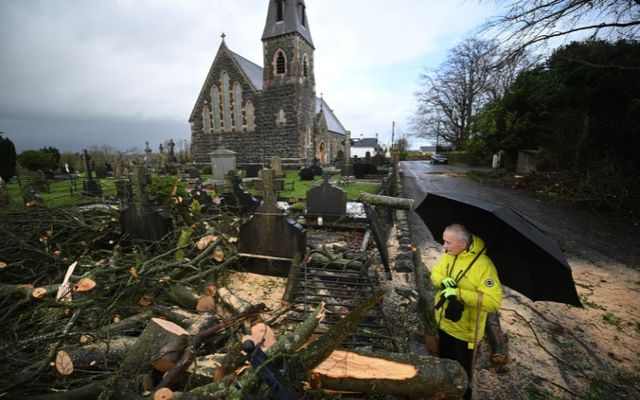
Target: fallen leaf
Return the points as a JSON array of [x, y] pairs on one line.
[[233, 239], [64, 365], [3, 265], [144, 301], [134, 272], [116, 318]]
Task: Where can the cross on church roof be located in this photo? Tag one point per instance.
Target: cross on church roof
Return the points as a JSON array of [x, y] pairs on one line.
[[223, 36]]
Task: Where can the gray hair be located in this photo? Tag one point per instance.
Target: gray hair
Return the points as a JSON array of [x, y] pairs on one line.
[[461, 232]]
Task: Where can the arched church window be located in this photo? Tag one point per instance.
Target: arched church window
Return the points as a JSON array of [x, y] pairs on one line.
[[237, 105], [281, 63], [226, 101], [251, 119], [206, 118], [305, 66], [215, 108]]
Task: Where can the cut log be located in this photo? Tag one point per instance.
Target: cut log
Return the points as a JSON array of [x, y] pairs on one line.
[[499, 346], [385, 201], [100, 354], [406, 375], [132, 324], [205, 303], [196, 341], [85, 285], [160, 344], [233, 302], [320, 349], [163, 394], [184, 296], [262, 335]]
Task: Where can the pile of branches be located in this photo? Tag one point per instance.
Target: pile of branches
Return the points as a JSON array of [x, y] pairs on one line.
[[89, 314]]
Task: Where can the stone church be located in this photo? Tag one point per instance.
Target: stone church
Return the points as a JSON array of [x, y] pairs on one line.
[[262, 112]]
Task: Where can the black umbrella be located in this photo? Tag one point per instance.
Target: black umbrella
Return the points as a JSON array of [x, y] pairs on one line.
[[527, 260]]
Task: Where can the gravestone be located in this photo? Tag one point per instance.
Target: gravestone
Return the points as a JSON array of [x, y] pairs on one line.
[[222, 161], [4, 195], [251, 170], [90, 187], [316, 170], [101, 172], [269, 240], [378, 160], [141, 219], [171, 161], [346, 171], [326, 200], [380, 221], [238, 199], [306, 174], [276, 165], [194, 173], [124, 190]]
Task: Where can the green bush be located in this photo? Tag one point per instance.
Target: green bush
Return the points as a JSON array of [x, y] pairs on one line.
[[7, 159], [468, 158], [34, 160], [161, 188], [206, 170]]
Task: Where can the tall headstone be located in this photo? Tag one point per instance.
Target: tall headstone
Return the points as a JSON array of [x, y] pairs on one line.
[[269, 240], [171, 161], [326, 200], [222, 161], [347, 154], [276, 165], [141, 219], [4, 196], [90, 187]]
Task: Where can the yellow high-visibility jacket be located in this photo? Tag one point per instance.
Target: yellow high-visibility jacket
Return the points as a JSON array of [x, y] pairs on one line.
[[481, 277]]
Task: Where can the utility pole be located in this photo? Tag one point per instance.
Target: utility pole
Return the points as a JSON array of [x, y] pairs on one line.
[[437, 137], [393, 127]]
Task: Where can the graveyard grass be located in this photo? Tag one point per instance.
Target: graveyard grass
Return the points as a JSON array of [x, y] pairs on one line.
[[60, 195], [294, 188]]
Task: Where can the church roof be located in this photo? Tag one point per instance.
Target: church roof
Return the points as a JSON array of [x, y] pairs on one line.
[[333, 124], [293, 20], [251, 69], [365, 142], [254, 73]]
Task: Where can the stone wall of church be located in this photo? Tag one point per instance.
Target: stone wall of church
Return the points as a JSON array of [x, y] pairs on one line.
[[241, 140]]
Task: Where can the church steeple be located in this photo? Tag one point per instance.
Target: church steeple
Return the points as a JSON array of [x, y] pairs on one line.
[[287, 16]]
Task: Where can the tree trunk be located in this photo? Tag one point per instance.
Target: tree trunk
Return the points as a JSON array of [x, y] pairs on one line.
[[235, 303], [406, 375], [426, 295], [499, 347], [385, 201], [184, 296], [159, 345], [99, 355]]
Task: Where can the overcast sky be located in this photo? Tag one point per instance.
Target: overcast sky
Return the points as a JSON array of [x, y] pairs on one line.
[[76, 73]]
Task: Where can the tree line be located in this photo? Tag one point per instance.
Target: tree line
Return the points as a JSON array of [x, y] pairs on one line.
[[579, 106]]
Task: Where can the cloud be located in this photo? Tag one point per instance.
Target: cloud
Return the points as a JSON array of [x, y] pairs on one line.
[[135, 61]]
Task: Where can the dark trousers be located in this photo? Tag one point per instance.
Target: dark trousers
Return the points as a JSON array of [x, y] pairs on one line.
[[458, 350]]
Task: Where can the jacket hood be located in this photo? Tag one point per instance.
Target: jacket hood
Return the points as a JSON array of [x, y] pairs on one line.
[[477, 245]]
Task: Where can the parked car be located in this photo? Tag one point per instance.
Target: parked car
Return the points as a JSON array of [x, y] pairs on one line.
[[438, 158]]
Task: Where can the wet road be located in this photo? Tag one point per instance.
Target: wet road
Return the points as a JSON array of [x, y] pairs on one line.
[[580, 232]]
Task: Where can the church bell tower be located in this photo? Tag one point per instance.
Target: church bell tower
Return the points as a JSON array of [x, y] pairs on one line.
[[288, 94]]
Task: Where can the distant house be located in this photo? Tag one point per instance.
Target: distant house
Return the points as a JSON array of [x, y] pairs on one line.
[[362, 146]]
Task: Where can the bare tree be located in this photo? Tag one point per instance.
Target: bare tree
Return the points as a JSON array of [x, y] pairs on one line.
[[527, 22], [455, 91]]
